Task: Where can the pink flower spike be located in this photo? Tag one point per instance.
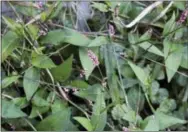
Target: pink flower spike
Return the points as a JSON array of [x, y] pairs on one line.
[[93, 57], [183, 17]]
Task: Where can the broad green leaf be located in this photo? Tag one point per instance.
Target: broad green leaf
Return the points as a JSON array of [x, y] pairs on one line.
[[146, 36], [100, 6], [123, 112], [170, 25], [161, 95], [151, 48], [31, 81], [141, 75], [110, 65], [184, 61], [58, 105], [10, 110], [167, 105], [86, 123], [180, 4], [154, 87], [98, 41], [20, 101], [9, 42], [26, 10], [59, 121], [136, 98], [63, 71], [33, 30], [152, 125], [73, 37], [86, 62], [9, 80], [90, 93], [54, 37], [37, 111], [166, 121], [78, 84], [39, 101], [128, 82], [172, 63], [98, 119], [57, 10], [118, 111], [13, 25], [42, 61], [133, 38]]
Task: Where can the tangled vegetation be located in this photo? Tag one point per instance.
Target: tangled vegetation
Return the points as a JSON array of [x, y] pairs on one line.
[[117, 66]]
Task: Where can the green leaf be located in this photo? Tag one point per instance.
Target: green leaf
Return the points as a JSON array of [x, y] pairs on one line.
[[63, 71], [128, 82], [151, 48], [20, 101], [86, 62], [37, 100], [9, 80], [161, 95], [36, 111], [54, 37], [170, 25], [146, 36], [118, 111], [33, 30], [9, 43], [14, 26], [31, 81], [90, 93], [98, 41], [152, 125], [98, 119], [136, 98], [166, 121], [123, 112], [167, 105], [100, 6], [78, 84], [70, 36], [59, 121], [76, 38], [10, 110], [141, 75], [86, 123], [133, 38], [184, 61], [42, 61], [26, 10], [58, 105], [180, 4], [172, 63]]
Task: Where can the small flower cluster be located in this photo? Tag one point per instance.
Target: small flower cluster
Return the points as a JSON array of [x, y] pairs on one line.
[[82, 73], [40, 4], [93, 57], [111, 30], [183, 16], [125, 129]]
